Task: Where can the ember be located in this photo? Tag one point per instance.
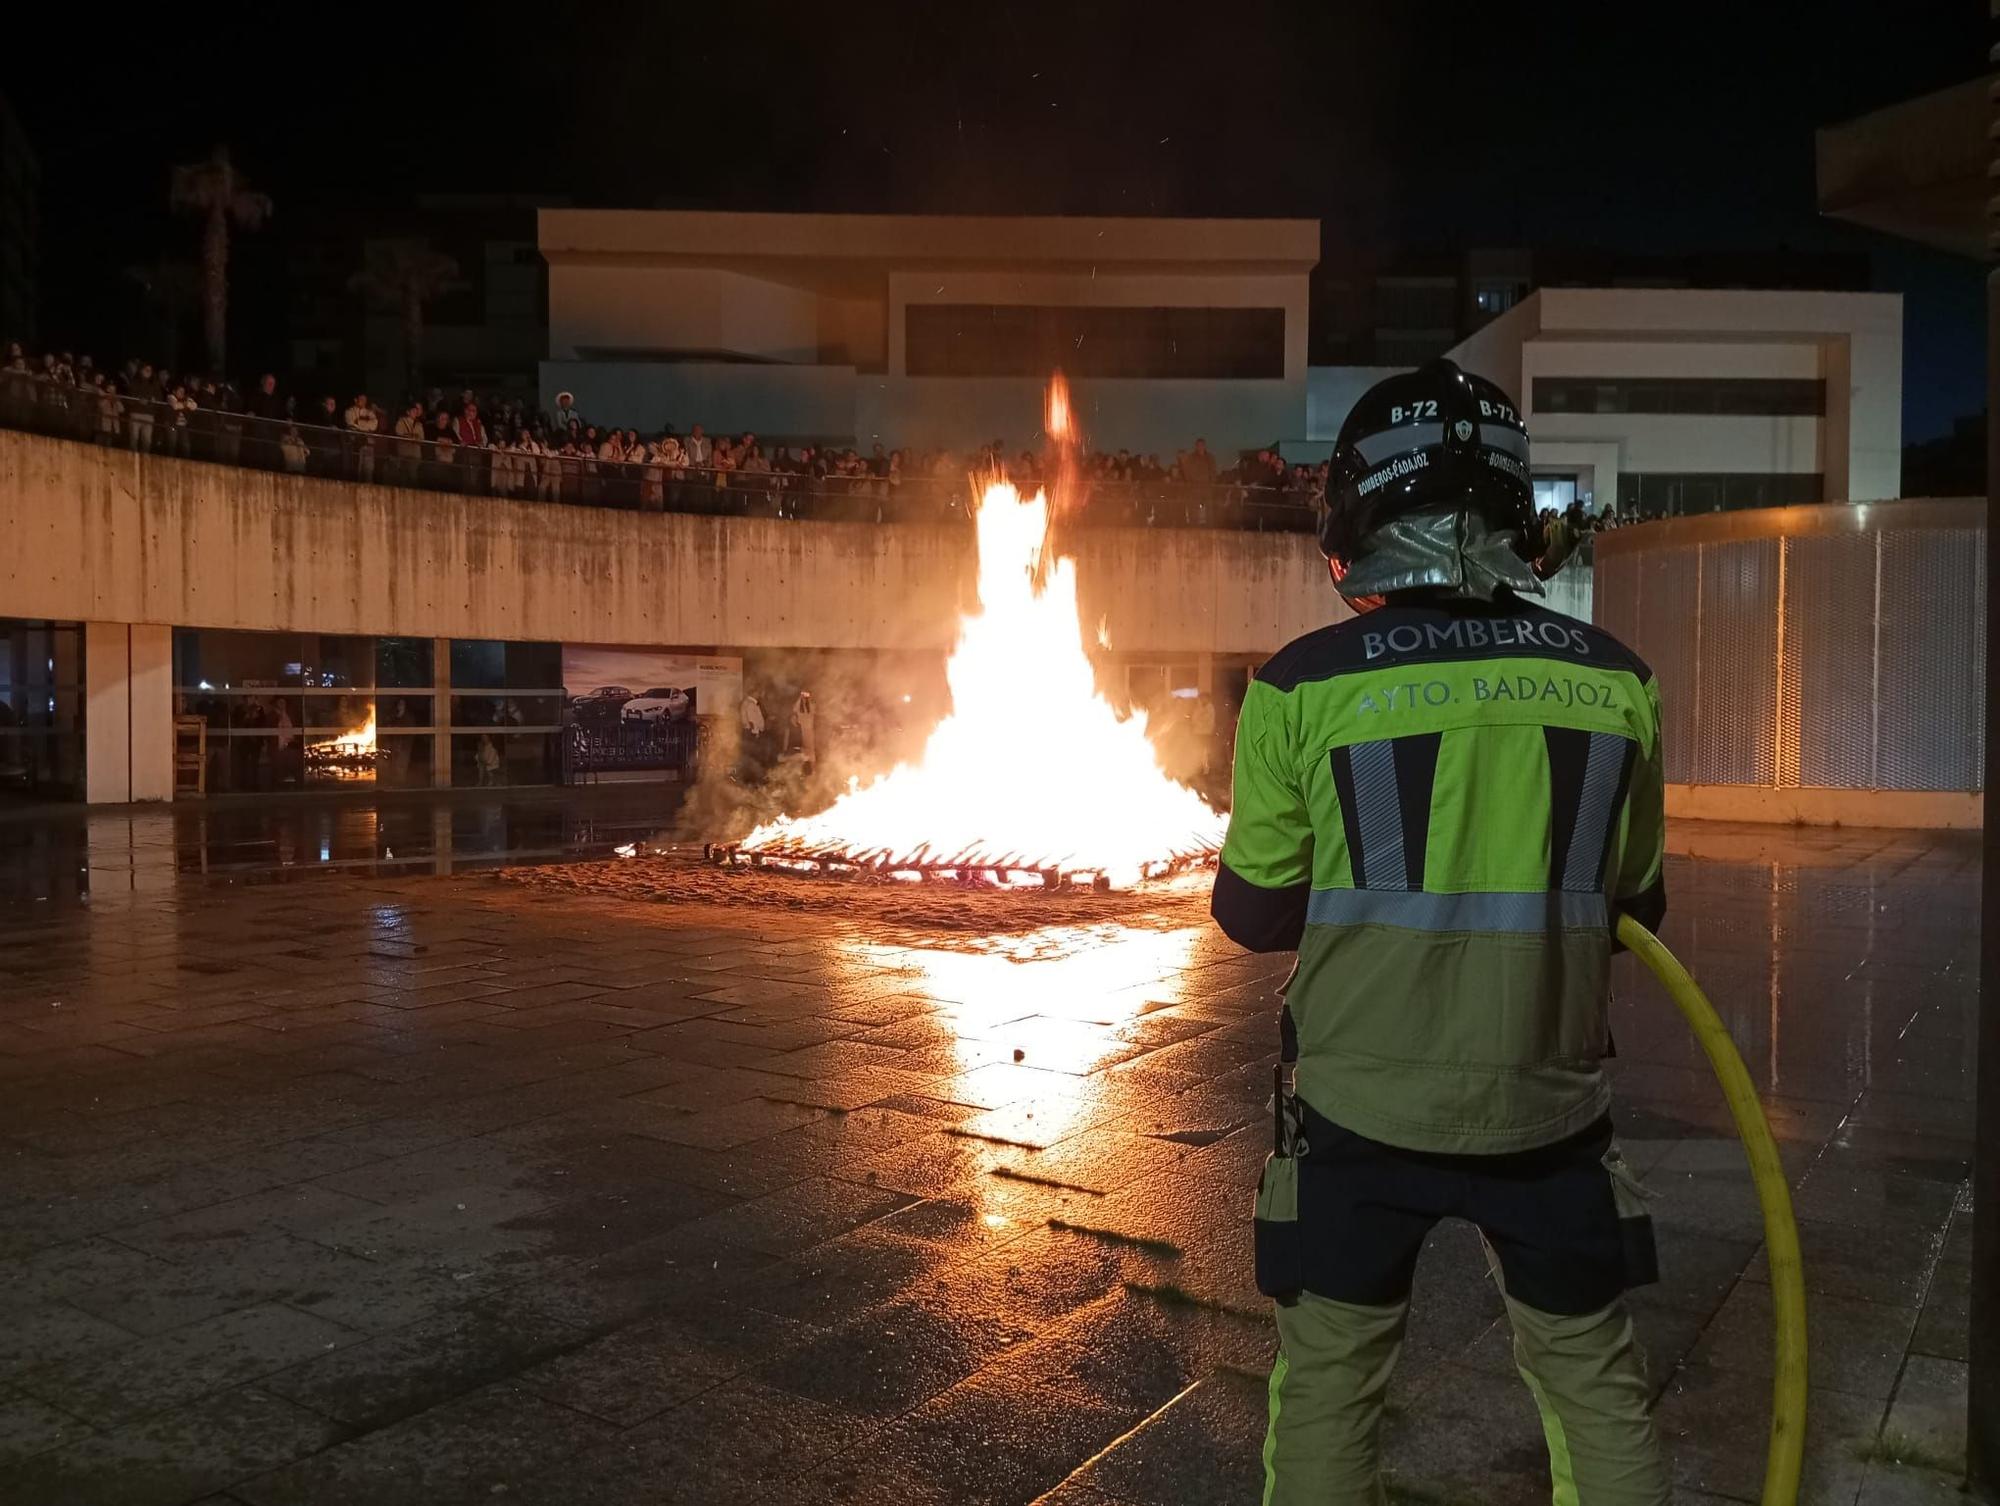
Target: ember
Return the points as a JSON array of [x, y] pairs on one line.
[[1033, 778]]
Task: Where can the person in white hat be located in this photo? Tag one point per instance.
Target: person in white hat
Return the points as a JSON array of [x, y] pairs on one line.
[[565, 410]]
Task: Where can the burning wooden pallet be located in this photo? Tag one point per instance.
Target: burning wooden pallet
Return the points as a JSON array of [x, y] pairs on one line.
[[979, 866]]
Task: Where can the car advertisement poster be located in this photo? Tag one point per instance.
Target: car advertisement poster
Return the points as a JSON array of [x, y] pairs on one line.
[[639, 713]]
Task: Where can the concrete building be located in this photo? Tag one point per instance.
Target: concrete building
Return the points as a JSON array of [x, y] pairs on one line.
[[931, 330], [939, 330], [285, 612], [1675, 401], [1409, 307]]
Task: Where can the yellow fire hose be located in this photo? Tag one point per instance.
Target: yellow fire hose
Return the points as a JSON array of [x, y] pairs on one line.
[[1781, 1234]]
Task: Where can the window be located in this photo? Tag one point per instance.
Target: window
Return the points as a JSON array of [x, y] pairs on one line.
[[1735, 397], [41, 709], [1556, 492], [1670, 494], [404, 663], [496, 758], [292, 710], [238, 661], [1411, 350], [957, 339], [341, 664], [1417, 303], [505, 725], [490, 664]]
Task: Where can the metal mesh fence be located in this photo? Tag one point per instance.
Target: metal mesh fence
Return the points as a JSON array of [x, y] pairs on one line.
[[1830, 647]]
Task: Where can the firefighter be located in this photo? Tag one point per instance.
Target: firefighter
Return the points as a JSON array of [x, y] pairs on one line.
[[1441, 805]]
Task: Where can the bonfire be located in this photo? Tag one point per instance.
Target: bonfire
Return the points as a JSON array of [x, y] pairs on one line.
[[1033, 777]]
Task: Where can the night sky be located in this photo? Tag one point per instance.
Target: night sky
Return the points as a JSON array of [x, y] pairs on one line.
[[1403, 126]]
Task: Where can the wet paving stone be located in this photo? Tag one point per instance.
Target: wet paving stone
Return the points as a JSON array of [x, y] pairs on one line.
[[888, 1361], [176, 1455], [392, 1188], [456, 1452], [29, 1427], [1715, 1424], [377, 1381], [639, 1371], [154, 1373], [740, 1441], [834, 1282], [1202, 1448]]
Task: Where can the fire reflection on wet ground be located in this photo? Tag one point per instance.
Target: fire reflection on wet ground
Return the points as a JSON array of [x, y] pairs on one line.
[[385, 1188]]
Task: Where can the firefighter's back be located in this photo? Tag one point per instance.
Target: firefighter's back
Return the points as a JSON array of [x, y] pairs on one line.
[[1482, 784]]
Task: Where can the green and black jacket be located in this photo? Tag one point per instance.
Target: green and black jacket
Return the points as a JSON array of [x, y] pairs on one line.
[[1442, 805]]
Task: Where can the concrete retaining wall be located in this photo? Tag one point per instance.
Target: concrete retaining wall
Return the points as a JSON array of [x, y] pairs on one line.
[[105, 535]]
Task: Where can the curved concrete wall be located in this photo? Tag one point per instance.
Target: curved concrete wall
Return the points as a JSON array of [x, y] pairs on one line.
[[1818, 664], [105, 535]]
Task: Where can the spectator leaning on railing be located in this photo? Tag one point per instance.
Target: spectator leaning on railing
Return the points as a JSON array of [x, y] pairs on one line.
[[506, 448], [181, 404], [363, 420], [410, 441]]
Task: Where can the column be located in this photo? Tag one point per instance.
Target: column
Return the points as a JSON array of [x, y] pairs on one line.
[[151, 670], [128, 719], [441, 714]]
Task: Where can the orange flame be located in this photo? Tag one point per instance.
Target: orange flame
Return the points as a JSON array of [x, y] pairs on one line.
[[358, 741], [352, 754], [1056, 411], [1033, 770]]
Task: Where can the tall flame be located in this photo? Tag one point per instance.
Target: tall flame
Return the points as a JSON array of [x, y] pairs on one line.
[[356, 742], [1032, 770], [1055, 411]]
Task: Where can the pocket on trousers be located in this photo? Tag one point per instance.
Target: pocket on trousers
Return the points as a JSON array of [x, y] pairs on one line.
[[1635, 1224], [1280, 1245]]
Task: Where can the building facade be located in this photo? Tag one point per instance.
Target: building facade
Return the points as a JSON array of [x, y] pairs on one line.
[[1668, 402], [285, 631], [931, 330], [1411, 307]]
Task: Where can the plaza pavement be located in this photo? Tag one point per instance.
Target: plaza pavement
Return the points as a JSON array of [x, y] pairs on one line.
[[378, 1188]]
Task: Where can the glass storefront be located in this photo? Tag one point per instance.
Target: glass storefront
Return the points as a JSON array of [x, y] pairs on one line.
[[289, 711], [506, 712], [41, 709]]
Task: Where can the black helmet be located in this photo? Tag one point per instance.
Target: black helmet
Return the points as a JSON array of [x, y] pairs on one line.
[[1432, 440]]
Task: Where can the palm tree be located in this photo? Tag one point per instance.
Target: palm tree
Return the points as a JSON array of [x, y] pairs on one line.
[[173, 287], [405, 275], [215, 189]]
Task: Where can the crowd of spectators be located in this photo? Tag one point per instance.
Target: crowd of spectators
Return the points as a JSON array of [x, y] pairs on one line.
[[1579, 522], [506, 448]]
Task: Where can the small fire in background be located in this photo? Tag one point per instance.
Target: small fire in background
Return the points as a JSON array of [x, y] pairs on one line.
[[1033, 777], [352, 754]]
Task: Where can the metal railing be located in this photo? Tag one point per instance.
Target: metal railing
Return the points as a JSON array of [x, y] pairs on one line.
[[227, 437]]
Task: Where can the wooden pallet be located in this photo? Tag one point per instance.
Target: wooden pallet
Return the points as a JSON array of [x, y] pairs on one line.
[[190, 756], [980, 870]]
